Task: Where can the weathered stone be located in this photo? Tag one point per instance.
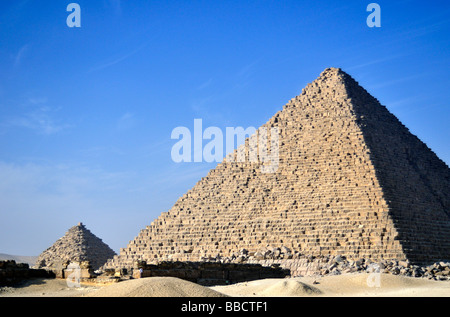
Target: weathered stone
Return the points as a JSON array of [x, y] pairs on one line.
[[259, 256], [359, 262], [338, 259], [77, 245], [346, 172], [12, 273], [210, 273], [395, 270]]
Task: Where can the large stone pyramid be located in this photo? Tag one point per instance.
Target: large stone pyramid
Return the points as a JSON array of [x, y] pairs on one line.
[[352, 181], [79, 244]]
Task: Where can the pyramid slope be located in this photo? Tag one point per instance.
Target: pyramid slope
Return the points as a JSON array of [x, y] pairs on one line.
[[77, 245], [415, 182], [339, 189]]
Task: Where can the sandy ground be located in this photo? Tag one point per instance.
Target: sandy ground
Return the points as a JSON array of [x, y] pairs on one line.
[[155, 287], [46, 288], [348, 285]]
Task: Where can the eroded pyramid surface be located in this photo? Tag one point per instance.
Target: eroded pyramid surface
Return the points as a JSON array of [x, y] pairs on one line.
[[351, 180], [79, 244]]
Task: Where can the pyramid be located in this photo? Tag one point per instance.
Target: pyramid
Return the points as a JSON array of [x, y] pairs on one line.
[[351, 181], [77, 245]]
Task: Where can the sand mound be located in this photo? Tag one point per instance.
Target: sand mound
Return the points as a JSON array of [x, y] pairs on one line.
[[270, 288], [361, 284], [352, 284], [288, 288], [156, 287]]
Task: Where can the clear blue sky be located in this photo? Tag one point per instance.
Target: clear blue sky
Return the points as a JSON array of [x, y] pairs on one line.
[[86, 113]]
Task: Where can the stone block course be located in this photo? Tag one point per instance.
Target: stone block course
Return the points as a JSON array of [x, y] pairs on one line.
[[208, 273], [12, 273], [78, 245], [352, 181]]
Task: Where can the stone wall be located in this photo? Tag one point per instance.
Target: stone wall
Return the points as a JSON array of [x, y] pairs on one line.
[[439, 271], [210, 273], [12, 273], [82, 270]]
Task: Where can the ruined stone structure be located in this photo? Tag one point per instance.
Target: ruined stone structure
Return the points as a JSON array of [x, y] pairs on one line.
[[210, 273], [78, 245], [12, 273], [351, 181]]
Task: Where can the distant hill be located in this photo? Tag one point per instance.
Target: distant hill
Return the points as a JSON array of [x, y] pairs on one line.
[[31, 260]]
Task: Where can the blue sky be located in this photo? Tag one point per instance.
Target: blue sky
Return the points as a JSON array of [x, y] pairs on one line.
[[86, 113]]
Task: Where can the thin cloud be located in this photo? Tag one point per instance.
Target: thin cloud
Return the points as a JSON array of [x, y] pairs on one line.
[[373, 62], [406, 102], [394, 81], [51, 192], [40, 120], [126, 121], [247, 70], [70, 180], [100, 151], [20, 55], [245, 74], [151, 150], [205, 84], [37, 100], [422, 27], [201, 105], [116, 6], [115, 61]]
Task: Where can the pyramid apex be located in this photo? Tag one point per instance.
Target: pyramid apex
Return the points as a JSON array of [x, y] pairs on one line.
[[80, 226], [332, 77], [335, 76], [332, 71]]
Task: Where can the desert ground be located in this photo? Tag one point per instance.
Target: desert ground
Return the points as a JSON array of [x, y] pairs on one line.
[[345, 285]]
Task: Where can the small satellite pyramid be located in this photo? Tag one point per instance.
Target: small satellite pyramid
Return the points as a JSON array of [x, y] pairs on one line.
[[351, 181], [77, 245]]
